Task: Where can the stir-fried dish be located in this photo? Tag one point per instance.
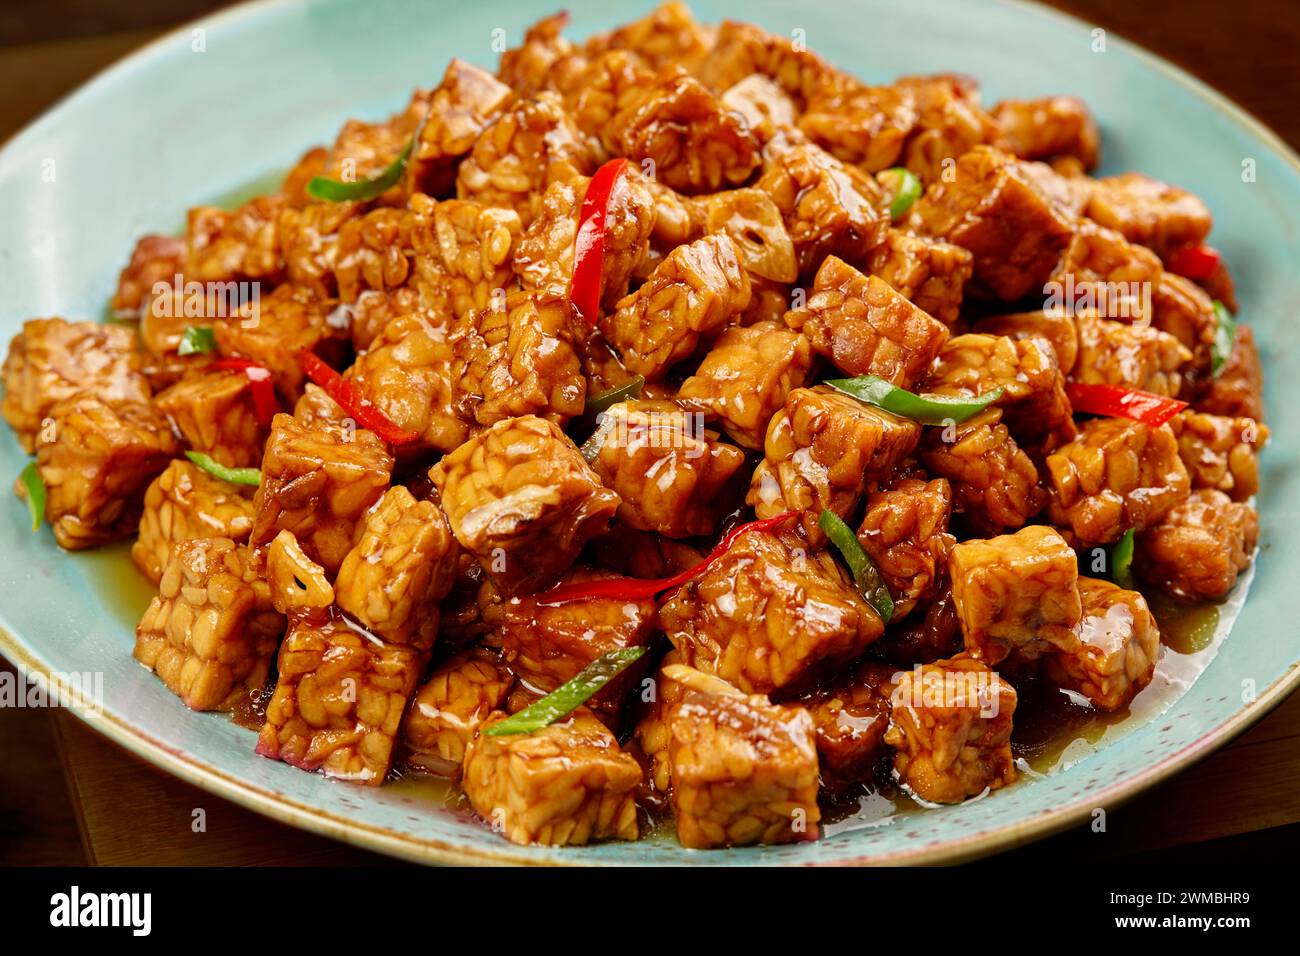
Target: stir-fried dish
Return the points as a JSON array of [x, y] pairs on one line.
[[668, 427]]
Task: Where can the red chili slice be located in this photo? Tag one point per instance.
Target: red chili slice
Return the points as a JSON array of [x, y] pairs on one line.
[[1119, 402], [260, 384], [589, 243], [1194, 262], [354, 403], [638, 589]]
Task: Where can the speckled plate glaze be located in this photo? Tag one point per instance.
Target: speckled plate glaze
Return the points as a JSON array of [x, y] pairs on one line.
[[175, 125]]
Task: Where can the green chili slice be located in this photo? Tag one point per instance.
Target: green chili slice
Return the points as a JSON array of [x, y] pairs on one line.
[[926, 409], [197, 340], [605, 400], [1121, 561], [236, 476], [909, 191], [1225, 336], [570, 695], [865, 574], [34, 486], [331, 190]]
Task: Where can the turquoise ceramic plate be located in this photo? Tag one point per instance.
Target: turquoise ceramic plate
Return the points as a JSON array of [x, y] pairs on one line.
[[210, 109]]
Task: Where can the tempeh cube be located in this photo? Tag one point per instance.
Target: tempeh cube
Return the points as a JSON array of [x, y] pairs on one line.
[[850, 718], [339, 699], [754, 222], [401, 567], [1117, 474], [992, 208], [669, 471], [927, 272], [520, 359], [1220, 452], [904, 531], [1055, 326], [698, 288], [543, 61], [825, 449], [1148, 212], [770, 616], [450, 707], [762, 103], [1238, 389], [155, 259], [865, 327], [1196, 552], [1102, 271], [1181, 308], [210, 631], [668, 34], [215, 414], [319, 481], [546, 645], [185, 502], [1017, 592], [243, 245], [96, 460], [520, 497], [949, 122], [829, 208], [994, 482], [1049, 128], [1117, 649], [465, 103], [564, 785], [744, 771], [747, 376], [950, 728], [51, 360], [463, 252], [862, 125]]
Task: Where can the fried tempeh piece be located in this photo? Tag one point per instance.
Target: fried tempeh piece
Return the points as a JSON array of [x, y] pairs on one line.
[[184, 503]]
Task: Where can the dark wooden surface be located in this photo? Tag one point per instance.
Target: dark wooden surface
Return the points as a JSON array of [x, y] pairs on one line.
[[67, 796]]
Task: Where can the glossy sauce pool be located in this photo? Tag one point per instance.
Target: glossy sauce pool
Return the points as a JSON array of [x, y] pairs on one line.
[[1053, 730]]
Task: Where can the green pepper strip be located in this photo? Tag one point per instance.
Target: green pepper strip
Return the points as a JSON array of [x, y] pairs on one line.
[[236, 476], [1121, 561], [909, 191], [599, 403], [34, 485], [197, 340], [1225, 336], [570, 695], [331, 190], [865, 574], [928, 410]]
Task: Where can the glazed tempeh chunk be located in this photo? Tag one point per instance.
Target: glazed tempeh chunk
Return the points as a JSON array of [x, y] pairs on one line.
[[214, 413], [744, 771], [904, 531], [519, 359], [743, 49], [1033, 398], [96, 461], [1117, 649], [996, 212], [564, 785], [318, 481], [930, 274], [829, 208], [1239, 387], [463, 253], [155, 259], [676, 128], [1196, 552], [546, 645], [1115, 475], [1220, 452], [450, 707], [466, 102], [183, 503], [401, 567], [523, 501], [697, 289], [754, 222], [1057, 327], [825, 449], [865, 327], [51, 360], [1147, 211], [668, 469], [1103, 271], [1049, 128], [769, 615], [850, 718], [950, 121], [746, 378], [862, 125], [210, 632], [1132, 355], [950, 728], [994, 482], [339, 699], [1016, 592]]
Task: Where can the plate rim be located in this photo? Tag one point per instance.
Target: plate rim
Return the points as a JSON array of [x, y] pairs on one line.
[[433, 850]]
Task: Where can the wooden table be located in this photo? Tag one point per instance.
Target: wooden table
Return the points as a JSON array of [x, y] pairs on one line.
[[66, 794]]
